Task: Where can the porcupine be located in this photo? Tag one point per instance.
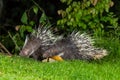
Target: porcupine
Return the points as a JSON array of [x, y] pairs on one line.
[[37, 42], [44, 44]]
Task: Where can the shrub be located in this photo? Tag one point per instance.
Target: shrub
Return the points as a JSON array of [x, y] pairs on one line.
[[92, 15]]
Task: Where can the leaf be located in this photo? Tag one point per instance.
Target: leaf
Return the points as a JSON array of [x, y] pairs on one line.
[[22, 30], [24, 18], [29, 28], [35, 9], [43, 18], [32, 23]]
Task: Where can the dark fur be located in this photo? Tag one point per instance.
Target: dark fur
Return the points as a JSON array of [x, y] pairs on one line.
[[66, 47]]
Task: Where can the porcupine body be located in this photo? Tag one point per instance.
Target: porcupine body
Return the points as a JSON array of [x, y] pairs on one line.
[[37, 42], [76, 46], [43, 44]]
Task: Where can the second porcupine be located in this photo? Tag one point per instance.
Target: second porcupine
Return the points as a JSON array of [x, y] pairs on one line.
[[75, 46]]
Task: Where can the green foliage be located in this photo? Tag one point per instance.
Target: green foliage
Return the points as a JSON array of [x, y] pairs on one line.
[[24, 18], [24, 28], [44, 19], [28, 26], [35, 9], [90, 15], [17, 41], [111, 44]]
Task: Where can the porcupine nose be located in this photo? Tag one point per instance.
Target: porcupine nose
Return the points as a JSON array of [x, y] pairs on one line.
[[23, 53]]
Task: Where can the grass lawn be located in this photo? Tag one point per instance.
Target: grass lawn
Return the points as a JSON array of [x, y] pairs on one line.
[[18, 68]]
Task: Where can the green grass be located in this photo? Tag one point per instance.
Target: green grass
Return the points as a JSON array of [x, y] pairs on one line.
[[19, 68]]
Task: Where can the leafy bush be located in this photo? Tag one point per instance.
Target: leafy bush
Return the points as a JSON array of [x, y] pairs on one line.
[[90, 15], [28, 26]]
